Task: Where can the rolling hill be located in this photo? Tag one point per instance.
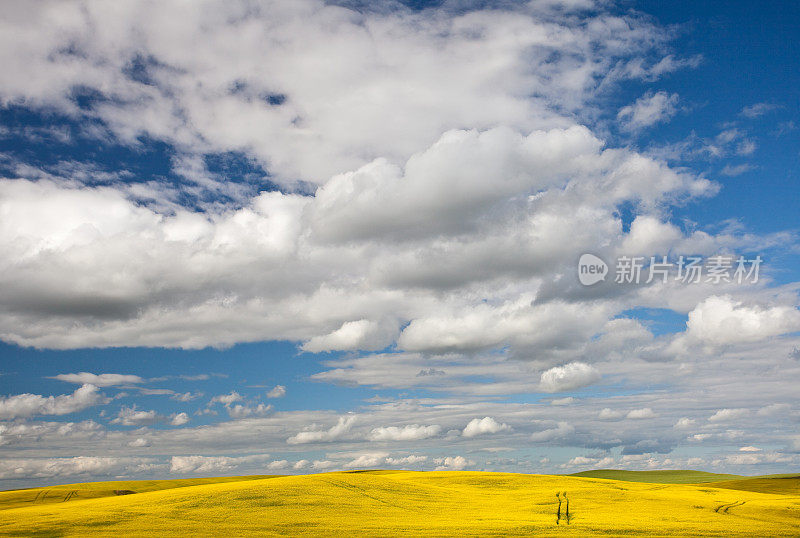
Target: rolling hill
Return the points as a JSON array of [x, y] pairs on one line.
[[392, 503]]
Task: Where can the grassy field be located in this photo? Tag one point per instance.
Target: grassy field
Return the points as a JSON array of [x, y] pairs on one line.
[[660, 477], [398, 503]]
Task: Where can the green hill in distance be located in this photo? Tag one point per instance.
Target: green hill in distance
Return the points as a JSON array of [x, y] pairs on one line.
[[782, 484], [660, 477]]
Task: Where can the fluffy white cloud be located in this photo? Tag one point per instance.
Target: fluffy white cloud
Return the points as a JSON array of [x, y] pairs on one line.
[[130, 416], [773, 409], [367, 461], [179, 419], [451, 184], [342, 427], [757, 109], [724, 415], [324, 465], [609, 414], [444, 228], [101, 380], [199, 464], [361, 334], [452, 463], [549, 325], [50, 468], [722, 320], [373, 460], [278, 391], [298, 291], [28, 405], [243, 411], [737, 170], [561, 430], [482, 426], [410, 432], [407, 460], [227, 399], [19, 432], [649, 109], [583, 461], [186, 396], [335, 67], [642, 413], [211, 464], [236, 410], [684, 422], [749, 449], [650, 234], [568, 377], [498, 189], [725, 378]]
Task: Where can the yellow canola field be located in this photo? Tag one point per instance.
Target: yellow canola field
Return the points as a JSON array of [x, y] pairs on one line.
[[402, 503]]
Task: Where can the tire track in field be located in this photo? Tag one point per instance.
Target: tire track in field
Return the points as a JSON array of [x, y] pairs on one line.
[[365, 494], [723, 508], [734, 505], [565, 501]]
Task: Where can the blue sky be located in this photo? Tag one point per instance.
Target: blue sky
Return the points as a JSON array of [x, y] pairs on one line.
[[345, 236]]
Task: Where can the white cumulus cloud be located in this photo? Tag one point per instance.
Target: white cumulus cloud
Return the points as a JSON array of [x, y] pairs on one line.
[[100, 380], [452, 463], [642, 413], [568, 377], [724, 415], [722, 320], [410, 432], [28, 405], [179, 419], [482, 426], [278, 391], [649, 109], [342, 427]]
